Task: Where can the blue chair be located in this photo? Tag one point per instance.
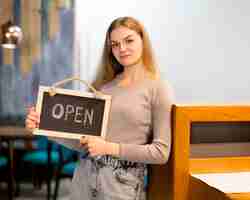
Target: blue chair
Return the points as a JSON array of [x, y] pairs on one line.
[[48, 156], [67, 171], [6, 173], [3, 162]]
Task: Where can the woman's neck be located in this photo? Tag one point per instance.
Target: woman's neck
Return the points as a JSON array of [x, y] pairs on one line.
[[132, 74]]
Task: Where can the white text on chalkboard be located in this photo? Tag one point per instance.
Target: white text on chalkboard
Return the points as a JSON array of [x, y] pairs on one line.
[[79, 113]]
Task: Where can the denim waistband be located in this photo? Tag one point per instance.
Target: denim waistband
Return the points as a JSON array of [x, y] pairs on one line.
[[115, 162]]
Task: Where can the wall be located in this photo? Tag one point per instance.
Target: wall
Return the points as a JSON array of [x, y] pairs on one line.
[[18, 90], [202, 45]]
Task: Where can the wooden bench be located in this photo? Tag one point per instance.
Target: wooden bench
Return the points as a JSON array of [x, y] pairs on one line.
[[182, 178]]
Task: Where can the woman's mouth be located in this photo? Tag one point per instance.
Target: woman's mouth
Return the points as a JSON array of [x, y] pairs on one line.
[[124, 56]]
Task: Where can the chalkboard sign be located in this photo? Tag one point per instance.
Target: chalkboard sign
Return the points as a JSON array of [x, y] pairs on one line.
[[72, 114]]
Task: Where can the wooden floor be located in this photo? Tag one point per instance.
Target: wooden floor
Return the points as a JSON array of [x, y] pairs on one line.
[[28, 193]]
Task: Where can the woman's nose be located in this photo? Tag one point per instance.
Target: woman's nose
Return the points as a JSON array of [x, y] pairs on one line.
[[122, 46]]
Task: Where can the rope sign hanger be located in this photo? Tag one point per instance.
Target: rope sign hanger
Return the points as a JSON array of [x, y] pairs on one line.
[[52, 91]]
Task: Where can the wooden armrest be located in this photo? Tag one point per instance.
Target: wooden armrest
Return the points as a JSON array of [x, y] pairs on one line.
[[239, 196]]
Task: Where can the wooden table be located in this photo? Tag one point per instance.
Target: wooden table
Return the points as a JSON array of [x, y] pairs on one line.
[[10, 134]]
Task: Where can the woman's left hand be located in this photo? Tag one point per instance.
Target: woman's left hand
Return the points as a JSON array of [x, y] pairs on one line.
[[96, 146]]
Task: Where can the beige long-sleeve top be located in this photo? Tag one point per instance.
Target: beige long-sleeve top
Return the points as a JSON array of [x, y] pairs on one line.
[[139, 120]]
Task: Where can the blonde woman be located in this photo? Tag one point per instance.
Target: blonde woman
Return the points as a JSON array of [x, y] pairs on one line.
[[139, 128]]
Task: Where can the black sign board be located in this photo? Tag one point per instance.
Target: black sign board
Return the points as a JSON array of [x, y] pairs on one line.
[[72, 114]]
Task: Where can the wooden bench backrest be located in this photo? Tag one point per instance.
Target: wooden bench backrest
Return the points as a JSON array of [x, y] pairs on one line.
[[171, 181], [183, 165]]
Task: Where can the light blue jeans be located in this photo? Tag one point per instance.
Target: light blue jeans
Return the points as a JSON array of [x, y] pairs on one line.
[[108, 178]]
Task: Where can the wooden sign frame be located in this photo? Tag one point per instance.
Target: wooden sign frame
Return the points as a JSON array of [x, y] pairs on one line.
[[71, 135]]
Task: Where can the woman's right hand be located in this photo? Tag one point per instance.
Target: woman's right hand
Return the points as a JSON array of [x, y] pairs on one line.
[[32, 120]]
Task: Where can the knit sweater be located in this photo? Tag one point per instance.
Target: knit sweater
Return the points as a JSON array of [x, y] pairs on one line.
[[139, 120]]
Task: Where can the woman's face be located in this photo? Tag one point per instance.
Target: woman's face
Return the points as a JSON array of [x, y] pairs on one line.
[[126, 46]]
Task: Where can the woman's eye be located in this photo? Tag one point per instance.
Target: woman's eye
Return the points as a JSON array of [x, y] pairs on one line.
[[129, 41], [114, 45]]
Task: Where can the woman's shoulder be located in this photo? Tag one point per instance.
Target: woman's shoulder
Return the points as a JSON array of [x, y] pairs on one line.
[[108, 87], [156, 84], [160, 88], [105, 86]]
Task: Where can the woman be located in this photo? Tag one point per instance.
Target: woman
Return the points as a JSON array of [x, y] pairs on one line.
[[139, 124]]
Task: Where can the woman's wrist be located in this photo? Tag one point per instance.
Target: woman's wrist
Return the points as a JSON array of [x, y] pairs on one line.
[[113, 149]]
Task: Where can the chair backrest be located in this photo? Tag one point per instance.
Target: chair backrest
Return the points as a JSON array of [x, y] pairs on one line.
[[3, 159], [186, 120], [42, 143]]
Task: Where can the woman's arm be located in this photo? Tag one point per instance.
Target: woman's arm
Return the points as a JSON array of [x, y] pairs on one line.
[[158, 150]]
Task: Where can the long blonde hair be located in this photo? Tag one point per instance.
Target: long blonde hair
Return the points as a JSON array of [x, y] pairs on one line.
[[109, 66]]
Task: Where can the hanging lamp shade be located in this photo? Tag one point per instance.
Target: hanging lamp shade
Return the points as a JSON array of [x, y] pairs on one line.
[[11, 35]]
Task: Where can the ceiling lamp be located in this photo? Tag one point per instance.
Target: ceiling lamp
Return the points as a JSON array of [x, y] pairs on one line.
[[11, 35]]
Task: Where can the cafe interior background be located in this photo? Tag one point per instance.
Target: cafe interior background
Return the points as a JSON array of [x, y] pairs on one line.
[[43, 57], [202, 47]]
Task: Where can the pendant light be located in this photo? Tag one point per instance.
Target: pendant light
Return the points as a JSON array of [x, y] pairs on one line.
[[11, 35]]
